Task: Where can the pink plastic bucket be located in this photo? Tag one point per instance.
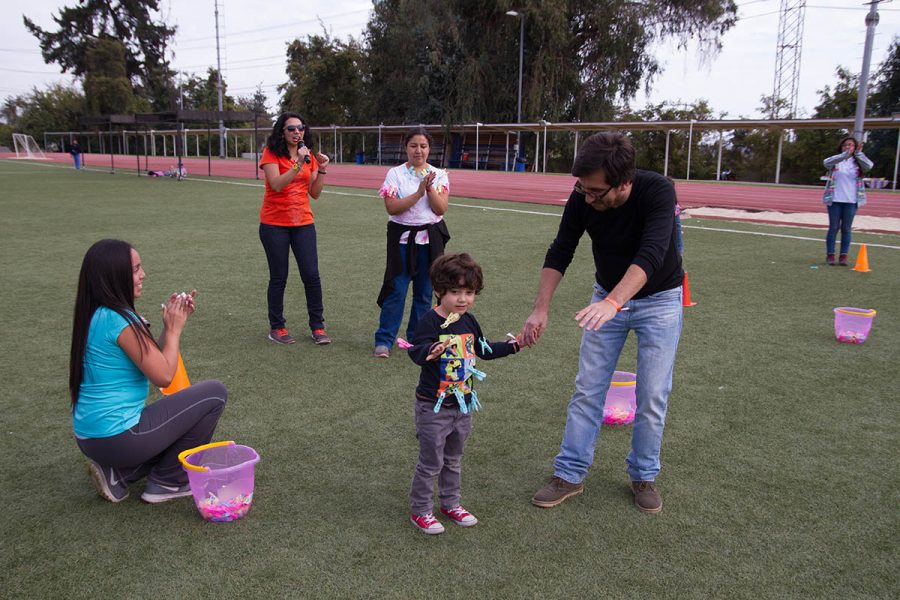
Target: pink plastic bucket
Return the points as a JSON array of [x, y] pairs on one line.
[[852, 325], [620, 399], [221, 478]]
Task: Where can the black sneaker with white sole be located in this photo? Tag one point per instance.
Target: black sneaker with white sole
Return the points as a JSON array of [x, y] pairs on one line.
[[155, 493], [108, 482]]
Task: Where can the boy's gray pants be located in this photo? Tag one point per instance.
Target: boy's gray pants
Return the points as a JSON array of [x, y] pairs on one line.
[[442, 436]]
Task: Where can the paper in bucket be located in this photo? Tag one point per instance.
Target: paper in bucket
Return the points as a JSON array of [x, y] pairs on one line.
[[620, 399], [221, 475], [852, 325]]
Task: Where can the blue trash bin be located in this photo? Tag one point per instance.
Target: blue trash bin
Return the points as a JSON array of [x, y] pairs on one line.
[[360, 158], [520, 164]]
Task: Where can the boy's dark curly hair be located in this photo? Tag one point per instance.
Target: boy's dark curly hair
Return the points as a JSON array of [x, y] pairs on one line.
[[456, 270]]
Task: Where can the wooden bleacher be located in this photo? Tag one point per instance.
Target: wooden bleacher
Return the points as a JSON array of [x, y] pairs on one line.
[[392, 153], [491, 152]]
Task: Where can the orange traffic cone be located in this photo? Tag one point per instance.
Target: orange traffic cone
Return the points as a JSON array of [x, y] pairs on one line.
[[686, 292], [862, 260], [180, 381]]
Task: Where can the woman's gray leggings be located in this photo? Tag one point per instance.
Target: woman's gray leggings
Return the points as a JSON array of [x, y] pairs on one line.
[[174, 423]]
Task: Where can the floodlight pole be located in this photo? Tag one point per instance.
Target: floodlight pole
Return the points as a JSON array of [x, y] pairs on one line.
[[219, 84], [871, 23], [513, 13]]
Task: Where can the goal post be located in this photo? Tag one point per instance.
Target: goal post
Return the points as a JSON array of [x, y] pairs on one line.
[[26, 147]]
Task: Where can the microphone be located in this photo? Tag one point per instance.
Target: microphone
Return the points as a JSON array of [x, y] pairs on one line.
[[300, 144]]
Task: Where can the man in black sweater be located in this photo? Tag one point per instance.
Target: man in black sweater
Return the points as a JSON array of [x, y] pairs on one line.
[[629, 215]]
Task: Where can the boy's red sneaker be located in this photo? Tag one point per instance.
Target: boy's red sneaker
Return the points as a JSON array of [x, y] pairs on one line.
[[427, 524], [460, 516]]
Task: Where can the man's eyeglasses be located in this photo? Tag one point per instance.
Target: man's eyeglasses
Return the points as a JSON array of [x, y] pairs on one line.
[[592, 193], [293, 128]]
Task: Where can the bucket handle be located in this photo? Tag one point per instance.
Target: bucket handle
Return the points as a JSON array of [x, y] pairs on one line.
[[182, 456], [868, 313]]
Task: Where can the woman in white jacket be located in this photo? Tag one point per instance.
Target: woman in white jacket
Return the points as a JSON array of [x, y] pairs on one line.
[[844, 193]]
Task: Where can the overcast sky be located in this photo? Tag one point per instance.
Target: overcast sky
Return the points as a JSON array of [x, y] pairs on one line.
[[254, 35]]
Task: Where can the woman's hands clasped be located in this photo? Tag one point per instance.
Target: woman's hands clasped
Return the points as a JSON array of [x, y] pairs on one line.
[[177, 310]]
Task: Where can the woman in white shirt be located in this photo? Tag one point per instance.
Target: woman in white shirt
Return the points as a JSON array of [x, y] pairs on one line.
[[416, 196], [844, 193]]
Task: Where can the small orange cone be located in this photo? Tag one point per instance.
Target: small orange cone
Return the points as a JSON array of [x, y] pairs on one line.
[[686, 292], [180, 381], [862, 260]]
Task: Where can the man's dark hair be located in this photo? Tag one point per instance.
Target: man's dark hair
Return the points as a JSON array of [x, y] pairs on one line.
[[607, 151], [449, 270]]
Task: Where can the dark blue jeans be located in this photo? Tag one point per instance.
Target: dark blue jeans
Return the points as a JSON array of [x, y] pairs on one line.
[[840, 216], [393, 305], [278, 242]]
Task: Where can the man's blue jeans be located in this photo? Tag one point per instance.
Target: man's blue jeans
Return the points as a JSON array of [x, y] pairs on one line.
[[656, 320], [393, 305], [840, 216]]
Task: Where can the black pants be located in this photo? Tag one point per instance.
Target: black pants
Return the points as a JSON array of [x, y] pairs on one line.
[[278, 242], [184, 420]]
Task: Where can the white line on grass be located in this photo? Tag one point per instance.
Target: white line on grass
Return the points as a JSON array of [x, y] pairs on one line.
[[544, 214], [780, 235]]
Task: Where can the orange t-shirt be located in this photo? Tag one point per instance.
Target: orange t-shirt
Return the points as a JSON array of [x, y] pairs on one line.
[[290, 206]]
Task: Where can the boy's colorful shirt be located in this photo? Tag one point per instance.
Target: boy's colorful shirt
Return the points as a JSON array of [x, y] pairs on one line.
[[448, 381], [457, 363]]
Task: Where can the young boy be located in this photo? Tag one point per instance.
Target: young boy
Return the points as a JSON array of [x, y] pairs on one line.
[[446, 341]]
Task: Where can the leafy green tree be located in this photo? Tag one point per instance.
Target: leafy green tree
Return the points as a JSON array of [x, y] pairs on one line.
[[57, 108], [884, 102], [457, 60], [199, 93], [325, 81], [106, 87], [129, 21]]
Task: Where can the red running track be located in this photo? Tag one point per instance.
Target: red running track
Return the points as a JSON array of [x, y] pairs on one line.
[[533, 188]]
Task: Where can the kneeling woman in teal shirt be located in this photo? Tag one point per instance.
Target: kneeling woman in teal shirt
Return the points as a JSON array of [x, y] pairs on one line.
[[114, 360]]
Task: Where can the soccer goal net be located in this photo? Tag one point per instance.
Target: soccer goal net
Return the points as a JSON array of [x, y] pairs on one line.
[[26, 147]]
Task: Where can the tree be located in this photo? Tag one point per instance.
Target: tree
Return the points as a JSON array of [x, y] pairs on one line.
[[325, 80], [884, 102], [198, 93], [455, 61], [128, 21], [106, 86], [58, 108]]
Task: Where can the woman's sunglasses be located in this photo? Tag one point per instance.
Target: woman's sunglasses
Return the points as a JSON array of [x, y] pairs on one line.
[[293, 128]]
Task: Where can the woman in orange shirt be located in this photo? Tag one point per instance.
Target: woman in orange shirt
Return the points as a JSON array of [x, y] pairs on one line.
[[286, 224]]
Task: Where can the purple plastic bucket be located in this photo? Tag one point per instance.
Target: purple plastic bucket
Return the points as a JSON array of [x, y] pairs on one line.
[[852, 325], [620, 399], [222, 479]]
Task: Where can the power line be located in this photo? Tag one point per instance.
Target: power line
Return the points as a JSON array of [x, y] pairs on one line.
[[282, 26]]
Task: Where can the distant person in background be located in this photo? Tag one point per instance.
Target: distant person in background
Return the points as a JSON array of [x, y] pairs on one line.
[[75, 151], [416, 196], [844, 193], [293, 174]]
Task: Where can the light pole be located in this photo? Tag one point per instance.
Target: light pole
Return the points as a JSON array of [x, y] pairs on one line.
[[513, 13], [871, 21]]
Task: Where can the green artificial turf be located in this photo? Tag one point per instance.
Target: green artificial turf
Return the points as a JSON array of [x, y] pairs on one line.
[[779, 459]]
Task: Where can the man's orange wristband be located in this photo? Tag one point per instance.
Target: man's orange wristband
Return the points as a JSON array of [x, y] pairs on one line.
[[615, 304]]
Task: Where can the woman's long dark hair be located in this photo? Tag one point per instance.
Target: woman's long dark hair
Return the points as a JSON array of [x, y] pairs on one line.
[[841, 145], [106, 279], [276, 142]]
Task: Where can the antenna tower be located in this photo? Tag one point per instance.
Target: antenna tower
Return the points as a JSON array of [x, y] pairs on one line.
[[787, 58]]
